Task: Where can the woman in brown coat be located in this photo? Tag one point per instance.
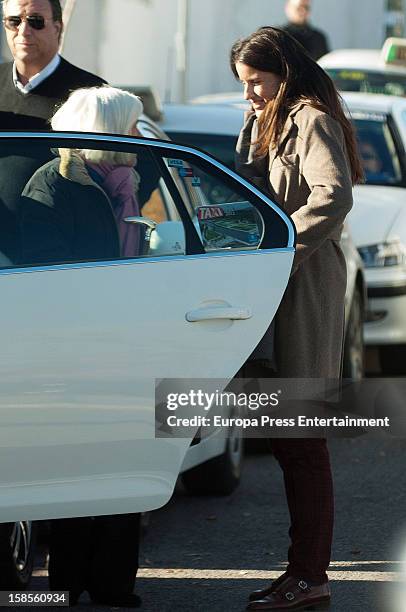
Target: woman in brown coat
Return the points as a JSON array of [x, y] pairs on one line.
[[297, 144]]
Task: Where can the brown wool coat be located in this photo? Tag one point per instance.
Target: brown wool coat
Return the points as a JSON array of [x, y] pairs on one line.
[[308, 175]]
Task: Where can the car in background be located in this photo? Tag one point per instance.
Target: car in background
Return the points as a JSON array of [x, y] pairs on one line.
[[378, 221], [214, 128], [369, 70]]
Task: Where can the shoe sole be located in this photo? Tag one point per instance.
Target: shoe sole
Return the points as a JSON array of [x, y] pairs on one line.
[[320, 605], [260, 596]]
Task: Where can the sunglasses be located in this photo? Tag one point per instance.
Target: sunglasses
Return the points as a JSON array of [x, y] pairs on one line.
[[36, 22]]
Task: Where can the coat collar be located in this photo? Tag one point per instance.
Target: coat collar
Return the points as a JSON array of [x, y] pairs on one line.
[[72, 167], [296, 108], [289, 123]]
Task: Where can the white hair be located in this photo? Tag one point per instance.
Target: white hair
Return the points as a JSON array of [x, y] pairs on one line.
[[106, 110]]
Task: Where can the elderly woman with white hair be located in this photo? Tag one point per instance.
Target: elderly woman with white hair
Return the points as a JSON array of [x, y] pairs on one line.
[[73, 209], [55, 224]]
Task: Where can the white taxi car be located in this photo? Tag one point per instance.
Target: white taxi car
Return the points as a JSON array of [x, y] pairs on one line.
[[369, 70], [84, 342], [378, 221]]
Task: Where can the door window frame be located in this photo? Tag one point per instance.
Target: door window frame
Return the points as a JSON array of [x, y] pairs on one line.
[[282, 237]]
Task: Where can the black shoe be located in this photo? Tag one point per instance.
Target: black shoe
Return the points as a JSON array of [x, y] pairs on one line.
[[130, 600], [261, 593]]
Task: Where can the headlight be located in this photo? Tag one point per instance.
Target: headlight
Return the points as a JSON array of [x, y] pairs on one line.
[[391, 253]]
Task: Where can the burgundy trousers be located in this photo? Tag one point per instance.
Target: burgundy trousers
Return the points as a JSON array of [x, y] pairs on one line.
[[305, 463], [309, 491]]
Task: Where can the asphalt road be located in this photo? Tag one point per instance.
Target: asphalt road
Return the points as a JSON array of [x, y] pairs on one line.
[[207, 554]]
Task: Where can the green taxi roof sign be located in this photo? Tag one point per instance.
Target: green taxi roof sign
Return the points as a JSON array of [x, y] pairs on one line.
[[394, 51]]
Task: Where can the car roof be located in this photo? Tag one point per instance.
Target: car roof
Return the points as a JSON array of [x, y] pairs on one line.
[[380, 103], [202, 118], [359, 59], [227, 97]]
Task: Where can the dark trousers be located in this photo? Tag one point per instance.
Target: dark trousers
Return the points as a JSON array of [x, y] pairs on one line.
[[309, 491], [98, 555], [305, 463]]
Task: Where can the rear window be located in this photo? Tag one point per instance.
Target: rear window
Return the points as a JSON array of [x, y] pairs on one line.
[[369, 81]]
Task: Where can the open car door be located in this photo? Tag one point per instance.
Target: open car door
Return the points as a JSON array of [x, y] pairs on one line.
[[83, 341]]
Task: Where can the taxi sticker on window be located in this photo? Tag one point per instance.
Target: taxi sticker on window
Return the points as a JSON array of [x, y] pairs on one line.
[[175, 163], [209, 212], [195, 181], [231, 225], [185, 172]]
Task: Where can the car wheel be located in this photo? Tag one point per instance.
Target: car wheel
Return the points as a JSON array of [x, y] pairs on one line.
[[16, 554], [220, 475], [354, 360], [393, 359]]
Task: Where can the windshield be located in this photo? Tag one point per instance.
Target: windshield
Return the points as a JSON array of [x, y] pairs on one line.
[[369, 81], [377, 150]]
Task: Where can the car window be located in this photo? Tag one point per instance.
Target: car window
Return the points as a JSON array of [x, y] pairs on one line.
[[219, 210], [222, 207], [125, 200], [378, 153], [84, 205], [368, 81], [221, 146]]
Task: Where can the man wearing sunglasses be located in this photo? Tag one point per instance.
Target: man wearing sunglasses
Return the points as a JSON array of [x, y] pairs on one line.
[[31, 87]]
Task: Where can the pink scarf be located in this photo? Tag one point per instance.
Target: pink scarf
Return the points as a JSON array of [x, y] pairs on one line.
[[121, 184]]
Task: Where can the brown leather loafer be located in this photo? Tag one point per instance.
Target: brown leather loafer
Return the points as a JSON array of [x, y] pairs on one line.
[[261, 593], [294, 594]]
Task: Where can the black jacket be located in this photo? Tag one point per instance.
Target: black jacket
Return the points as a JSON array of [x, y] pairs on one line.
[[64, 221], [314, 41]]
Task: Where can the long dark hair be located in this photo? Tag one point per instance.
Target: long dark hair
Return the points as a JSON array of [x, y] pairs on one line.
[[273, 50]]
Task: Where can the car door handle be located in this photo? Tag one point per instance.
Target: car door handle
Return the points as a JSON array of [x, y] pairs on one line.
[[220, 312]]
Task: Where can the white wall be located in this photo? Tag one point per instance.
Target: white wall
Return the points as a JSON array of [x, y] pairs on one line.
[[351, 23], [83, 35], [133, 41], [138, 41]]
